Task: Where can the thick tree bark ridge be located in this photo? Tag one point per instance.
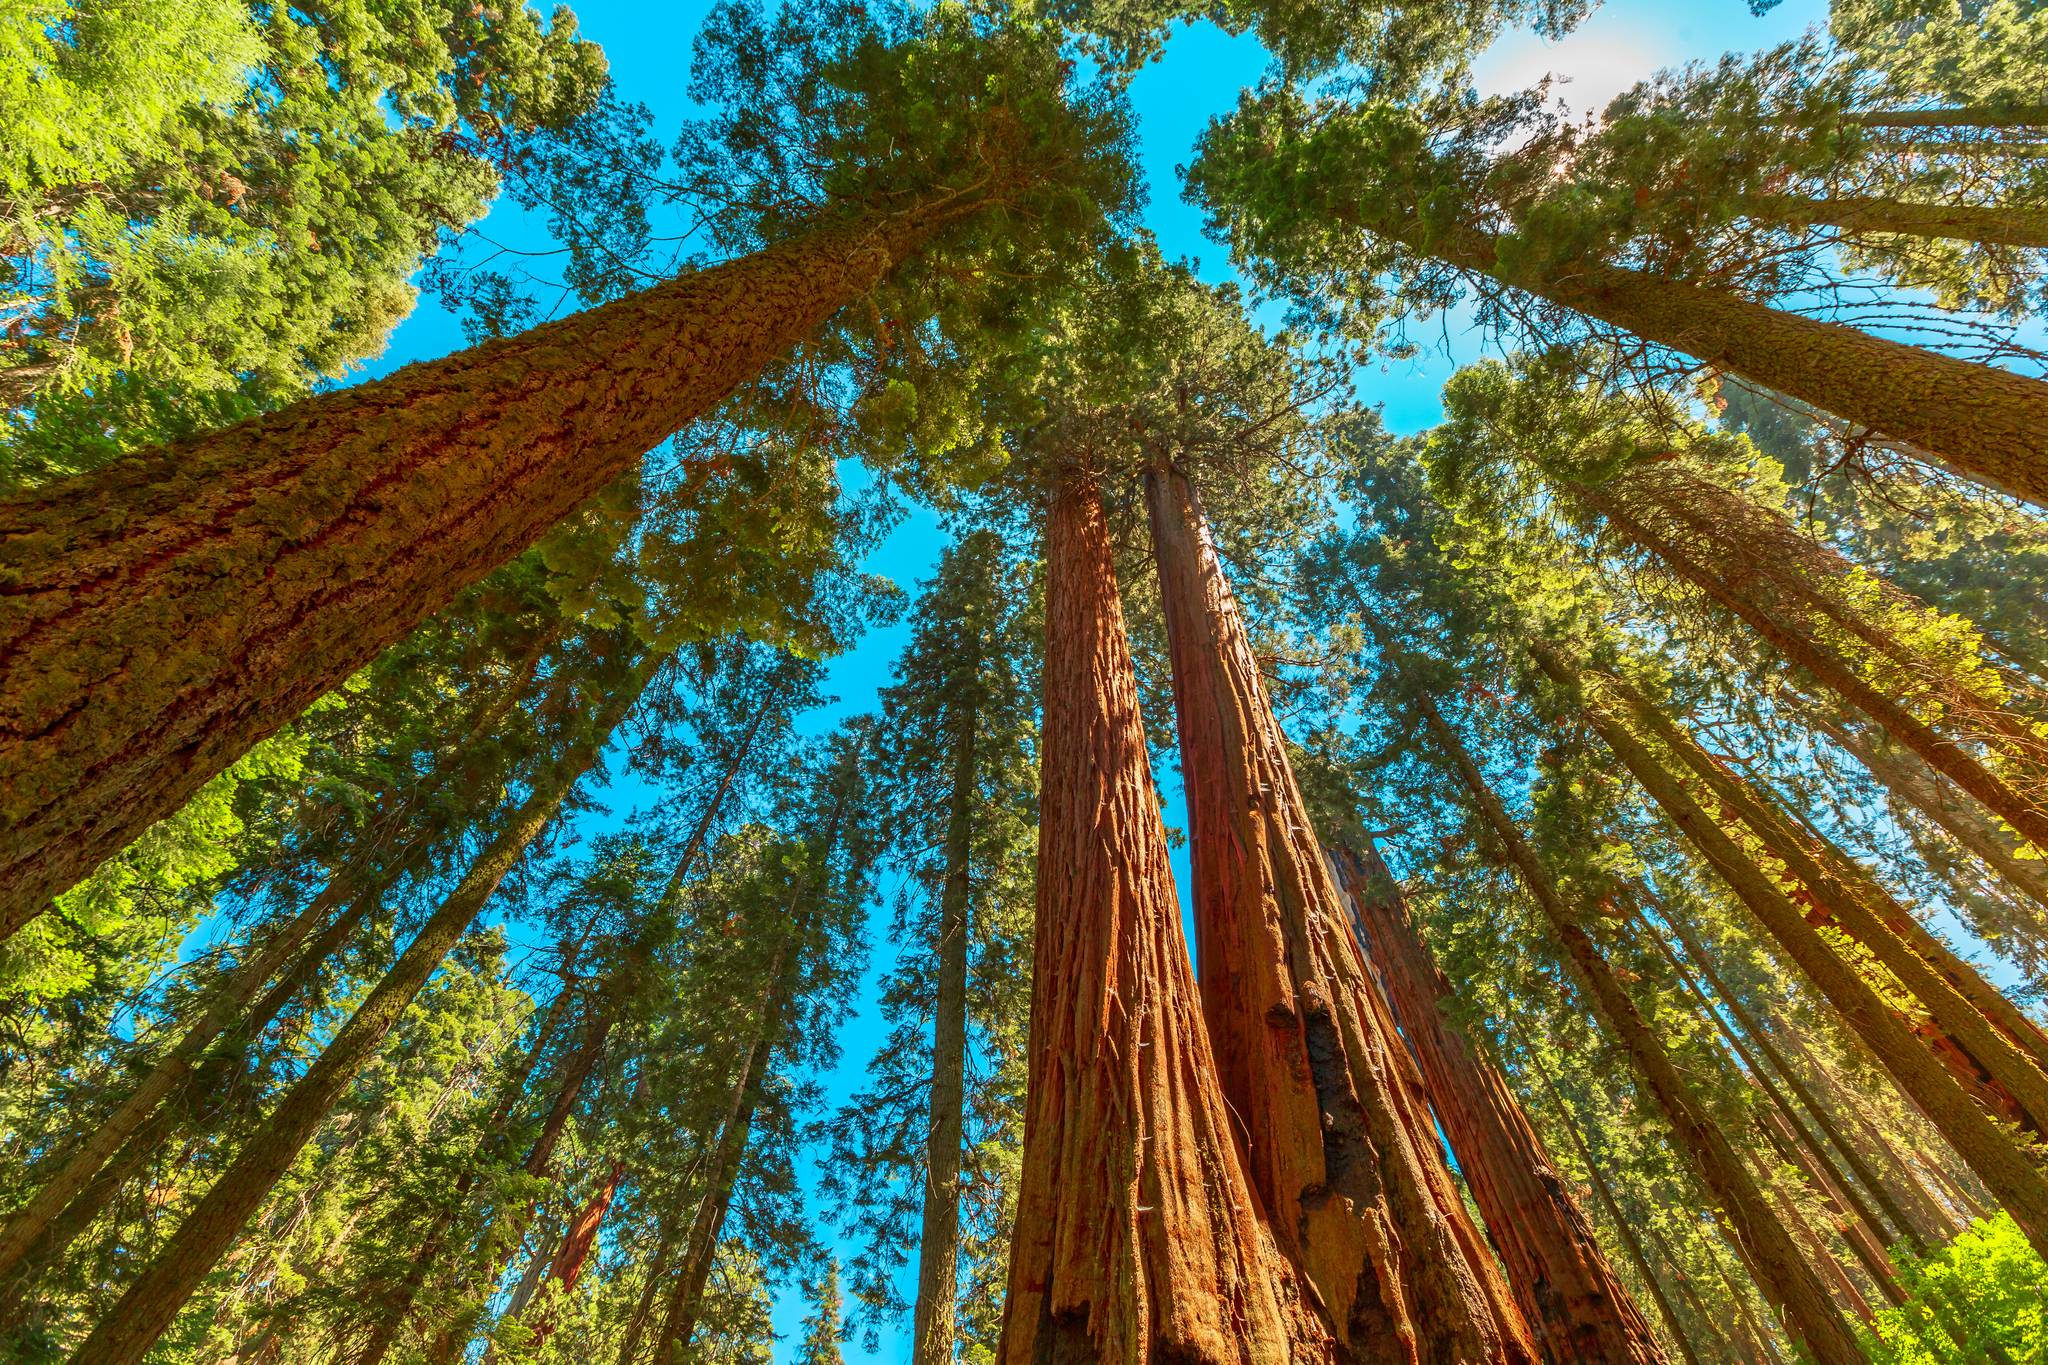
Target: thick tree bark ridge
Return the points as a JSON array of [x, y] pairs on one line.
[[1568, 1290], [160, 616], [1137, 1237], [1342, 1147]]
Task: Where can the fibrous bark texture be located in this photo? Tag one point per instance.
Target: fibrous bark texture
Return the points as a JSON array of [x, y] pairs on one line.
[[142, 1314], [1979, 420], [1994, 225], [1137, 1237], [1341, 1145], [1568, 1291], [160, 616], [1780, 1268]]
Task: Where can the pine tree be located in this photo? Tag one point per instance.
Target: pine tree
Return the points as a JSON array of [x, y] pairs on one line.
[[820, 1345]]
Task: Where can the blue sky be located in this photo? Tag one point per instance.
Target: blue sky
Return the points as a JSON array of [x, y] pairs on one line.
[[1199, 77]]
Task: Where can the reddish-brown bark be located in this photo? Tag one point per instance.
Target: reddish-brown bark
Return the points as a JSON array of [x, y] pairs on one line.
[[1137, 1236], [1341, 1147], [1568, 1290], [577, 1241], [160, 616], [1780, 1268]]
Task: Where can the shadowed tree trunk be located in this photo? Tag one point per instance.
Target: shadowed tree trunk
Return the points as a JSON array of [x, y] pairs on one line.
[[2000, 225], [142, 1314], [1624, 1229], [939, 1242], [1568, 1291], [1342, 1150], [1786, 587], [1137, 1236], [1989, 1151], [1779, 1267], [160, 616], [1982, 1024]]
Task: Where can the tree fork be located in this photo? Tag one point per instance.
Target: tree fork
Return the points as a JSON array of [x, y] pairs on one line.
[[162, 615], [1137, 1236], [1350, 1168]]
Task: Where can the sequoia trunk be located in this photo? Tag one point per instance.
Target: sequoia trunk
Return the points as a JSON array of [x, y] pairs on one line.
[[165, 613], [1781, 1269], [1989, 1151], [1137, 1236], [1991, 225], [1342, 1149], [1568, 1290], [142, 1314]]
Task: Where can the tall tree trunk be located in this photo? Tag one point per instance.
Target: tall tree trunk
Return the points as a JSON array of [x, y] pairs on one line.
[[1993, 225], [1959, 116], [939, 1243], [643, 1309], [1912, 780], [577, 1243], [1980, 421], [1623, 1227], [161, 1290], [165, 613], [1343, 1154], [1779, 1267], [1697, 548], [700, 1249], [2012, 1178], [1741, 1041], [395, 1305], [1137, 1236], [1986, 1026], [1567, 1289]]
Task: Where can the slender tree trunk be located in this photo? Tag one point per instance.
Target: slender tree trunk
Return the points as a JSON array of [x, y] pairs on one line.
[[1779, 1267], [1992, 225], [701, 1247], [1989, 1151], [657, 1272], [213, 1223], [1736, 589], [577, 1242], [1983, 1024], [1624, 1229], [1980, 421], [939, 1243], [1910, 778], [1855, 1227], [165, 613], [1567, 1289], [1342, 1154], [1740, 1041], [1960, 116], [1137, 1236]]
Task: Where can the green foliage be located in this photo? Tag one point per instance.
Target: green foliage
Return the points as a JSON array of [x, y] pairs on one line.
[[1985, 1294]]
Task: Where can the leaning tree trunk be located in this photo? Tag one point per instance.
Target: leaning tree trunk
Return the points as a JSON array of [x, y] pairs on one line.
[[1984, 1146], [939, 1242], [1913, 781], [1137, 1236], [1772, 608], [1981, 421], [165, 613], [1568, 1290], [1343, 1153], [1981, 1023], [1992, 225], [1779, 1267], [573, 1254], [142, 1314]]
